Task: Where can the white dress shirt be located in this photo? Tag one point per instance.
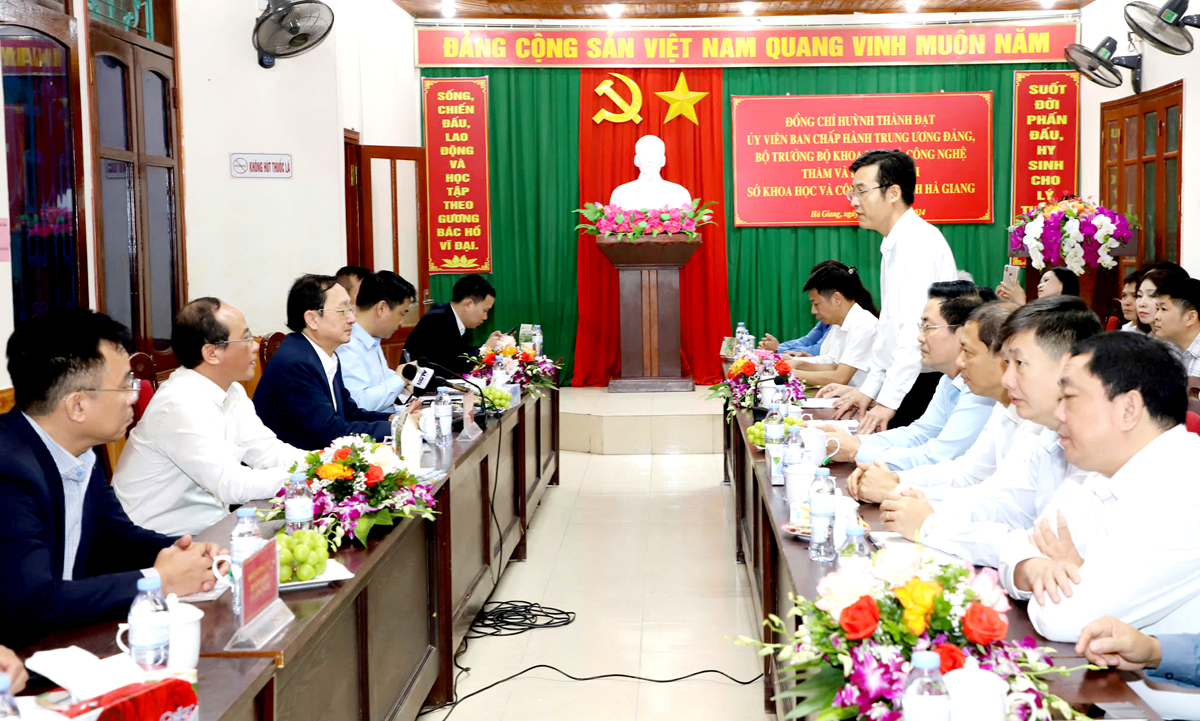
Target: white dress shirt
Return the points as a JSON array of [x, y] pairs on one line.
[[196, 450], [975, 522], [1132, 327], [365, 372], [329, 362], [462, 328], [75, 473], [1191, 357], [1003, 430], [915, 256], [850, 343], [1140, 541]]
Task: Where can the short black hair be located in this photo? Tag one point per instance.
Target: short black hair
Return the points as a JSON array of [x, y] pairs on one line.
[[59, 353], [1132, 277], [991, 316], [956, 300], [831, 276], [352, 271], [386, 286], [896, 167], [1070, 281], [1127, 362], [1184, 291], [987, 294], [307, 293], [474, 287], [1057, 322], [1162, 274], [196, 326]]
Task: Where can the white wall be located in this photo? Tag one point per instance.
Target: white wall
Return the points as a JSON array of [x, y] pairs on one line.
[[1105, 17]]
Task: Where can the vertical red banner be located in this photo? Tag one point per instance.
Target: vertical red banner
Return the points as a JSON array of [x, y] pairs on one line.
[[1045, 137], [456, 161]]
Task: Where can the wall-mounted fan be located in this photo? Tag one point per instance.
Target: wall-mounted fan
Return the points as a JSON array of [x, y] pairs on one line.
[[288, 28], [1165, 27], [1100, 66]]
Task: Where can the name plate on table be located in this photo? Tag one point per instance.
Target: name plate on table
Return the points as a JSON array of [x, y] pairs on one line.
[[263, 614]]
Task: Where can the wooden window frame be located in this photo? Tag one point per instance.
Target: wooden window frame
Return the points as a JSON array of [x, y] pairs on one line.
[[1117, 113], [140, 54], [62, 27]]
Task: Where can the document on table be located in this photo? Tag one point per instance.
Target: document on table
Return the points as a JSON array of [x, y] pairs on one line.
[[850, 426], [883, 539], [818, 403]]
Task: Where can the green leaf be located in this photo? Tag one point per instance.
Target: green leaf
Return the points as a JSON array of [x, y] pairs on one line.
[[838, 712], [363, 529], [816, 703]]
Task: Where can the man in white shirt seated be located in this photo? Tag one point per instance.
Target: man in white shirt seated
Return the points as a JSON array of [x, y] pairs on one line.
[[974, 522], [839, 299], [1178, 319], [954, 417], [982, 369], [914, 256], [200, 446], [1124, 541], [383, 300]]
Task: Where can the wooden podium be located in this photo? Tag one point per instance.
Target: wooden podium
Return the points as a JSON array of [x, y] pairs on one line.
[[649, 282]]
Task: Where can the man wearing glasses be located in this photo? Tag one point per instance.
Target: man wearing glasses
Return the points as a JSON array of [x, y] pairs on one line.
[[915, 255], [384, 299], [200, 447], [301, 395], [73, 556]]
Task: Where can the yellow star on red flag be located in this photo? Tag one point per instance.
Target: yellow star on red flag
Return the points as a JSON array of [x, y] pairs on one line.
[[683, 101]]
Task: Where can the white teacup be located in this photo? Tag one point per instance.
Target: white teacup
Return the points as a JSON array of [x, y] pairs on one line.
[[817, 441], [428, 424], [184, 650]]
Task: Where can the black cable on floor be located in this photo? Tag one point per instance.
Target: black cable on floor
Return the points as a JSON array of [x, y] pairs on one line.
[[509, 618]]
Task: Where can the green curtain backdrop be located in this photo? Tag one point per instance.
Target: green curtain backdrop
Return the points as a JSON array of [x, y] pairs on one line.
[[533, 138], [768, 266]]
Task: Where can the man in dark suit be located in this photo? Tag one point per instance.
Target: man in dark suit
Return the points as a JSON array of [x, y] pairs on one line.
[[443, 335], [73, 555], [301, 396]]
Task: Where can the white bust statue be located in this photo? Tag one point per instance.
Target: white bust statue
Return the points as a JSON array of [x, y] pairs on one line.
[[650, 190]]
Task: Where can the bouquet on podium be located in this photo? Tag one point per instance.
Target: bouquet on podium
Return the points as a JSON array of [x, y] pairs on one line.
[[629, 224], [1071, 232]]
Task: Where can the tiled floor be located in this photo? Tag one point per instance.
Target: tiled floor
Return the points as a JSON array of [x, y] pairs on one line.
[[640, 423], [641, 547]]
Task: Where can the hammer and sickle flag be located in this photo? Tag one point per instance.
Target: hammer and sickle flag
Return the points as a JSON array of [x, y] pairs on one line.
[[629, 110]]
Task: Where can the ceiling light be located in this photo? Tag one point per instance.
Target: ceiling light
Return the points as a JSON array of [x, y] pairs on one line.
[[748, 8], [448, 9], [614, 10], [1047, 4], [912, 6]]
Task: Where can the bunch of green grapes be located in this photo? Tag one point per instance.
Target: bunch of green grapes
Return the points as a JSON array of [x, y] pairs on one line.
[[791, 421], [501, 398], [302, 555], [757, 434]]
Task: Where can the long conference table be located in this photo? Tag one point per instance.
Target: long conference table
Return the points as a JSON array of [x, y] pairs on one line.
[[778, 565], [381, 645]]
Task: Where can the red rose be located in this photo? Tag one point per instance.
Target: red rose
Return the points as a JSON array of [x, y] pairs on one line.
[[341, 454], [983, 625], [951, 655], [860, 619], [489, 358], [782, 367], [374, 475], [526, 357]]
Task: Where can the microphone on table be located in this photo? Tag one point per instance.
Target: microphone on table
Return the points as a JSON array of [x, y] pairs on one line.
[[449, 377], [418, 379]]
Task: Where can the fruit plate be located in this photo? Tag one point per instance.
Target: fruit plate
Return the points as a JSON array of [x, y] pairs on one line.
[[334, 571], [801, 531]]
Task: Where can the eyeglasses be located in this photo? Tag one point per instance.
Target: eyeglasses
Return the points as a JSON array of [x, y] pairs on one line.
[[250, 339], [850, 194], [131, 385], [925, 328], [348, 311]]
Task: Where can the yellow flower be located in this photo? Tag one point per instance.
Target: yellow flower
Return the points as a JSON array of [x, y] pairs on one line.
[[917, 598], [509, 351], [334, 471]]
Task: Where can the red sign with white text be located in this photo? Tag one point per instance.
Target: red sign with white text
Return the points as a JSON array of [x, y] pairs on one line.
[[456, 166], [260, 581], [791, 154], [624, 47], [1045, 137]]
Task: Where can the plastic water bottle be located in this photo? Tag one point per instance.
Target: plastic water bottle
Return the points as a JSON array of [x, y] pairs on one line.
[[243, 542], [443, 413], [925, 694], [149, 626], [8, 704], [537, 340], [821, 508], [775, 428], [855, 552], [740, 335], [793, 458], [298, 504]]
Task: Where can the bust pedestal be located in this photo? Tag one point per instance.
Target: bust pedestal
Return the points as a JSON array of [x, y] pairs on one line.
[[648, 273]]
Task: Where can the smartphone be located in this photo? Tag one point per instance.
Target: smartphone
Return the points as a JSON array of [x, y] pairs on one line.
[[1012, 274]]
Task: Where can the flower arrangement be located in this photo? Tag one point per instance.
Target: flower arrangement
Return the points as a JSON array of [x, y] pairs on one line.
[[358, 484], [629, 224], [853, 650], [518, 363], [747, 371], [1071, 232]]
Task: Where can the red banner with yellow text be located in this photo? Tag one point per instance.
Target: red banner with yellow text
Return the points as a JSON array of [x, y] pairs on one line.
[[456, 165], [730, 47], [1045, 137], [791, 154]]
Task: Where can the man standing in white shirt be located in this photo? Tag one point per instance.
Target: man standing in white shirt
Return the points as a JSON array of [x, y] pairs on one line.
[[839, 299], [1178, 319], [1127, 542], [974, 522], [915, 256], [200, 446], [383, 300]]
